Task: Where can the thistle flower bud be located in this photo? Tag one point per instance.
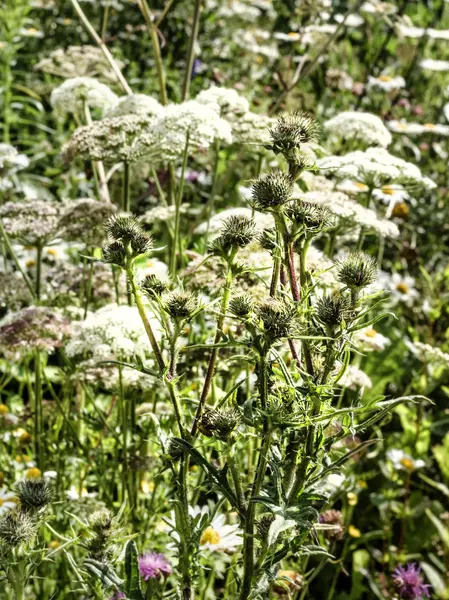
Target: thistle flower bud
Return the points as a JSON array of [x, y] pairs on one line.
[[34, 494], [333, 517], [102, 530], [312, 217], [16, 527], [237, 232], [264, 524], [278, 318], [219, 423], [271, 191], [180, 304], [153, 286], [333, 310], [357, 270], [267, 239], [123, 228], [115, 254], [291, 131], [241, 306]]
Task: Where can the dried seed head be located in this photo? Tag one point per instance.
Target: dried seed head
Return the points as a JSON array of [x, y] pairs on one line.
[[292, 130], [312, 217], [153, 286], [34, 494], [241, 306], [357, 270], [237, 232], [333, 310], [267, 239], [271, 191], [17, 527], [219, 423], [180, 304], [115, 254], [278, 318]]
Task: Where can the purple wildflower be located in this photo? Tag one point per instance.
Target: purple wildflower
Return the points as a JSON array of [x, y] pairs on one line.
[[409, 582], [117, 596], [154, 566]]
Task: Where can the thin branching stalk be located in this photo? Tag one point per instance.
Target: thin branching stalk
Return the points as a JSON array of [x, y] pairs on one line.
[[107, 54], [15, 260], [152, 30], [191, 51]]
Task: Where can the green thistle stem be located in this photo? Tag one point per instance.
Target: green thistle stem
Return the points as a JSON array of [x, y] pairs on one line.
[[126, 200], [214, 354], [38, 411]]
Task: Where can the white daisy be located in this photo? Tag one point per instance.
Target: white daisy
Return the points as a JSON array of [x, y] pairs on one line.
[[431, 64], [402, 288], [7, 501], [386, 83], [369, 339], [403, 461]]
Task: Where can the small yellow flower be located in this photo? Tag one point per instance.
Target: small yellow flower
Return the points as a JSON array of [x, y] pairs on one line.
[[54, 544], [354, 532], [210, 536], [352, 499], [33, 473], [30, 263], [25, 438], [362, 484], [52, 251], [3, 409], [147, 486]]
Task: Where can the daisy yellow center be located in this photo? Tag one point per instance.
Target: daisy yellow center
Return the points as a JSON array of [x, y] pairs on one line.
[[402, 287], [32, 30], [370, 333], [388, 190], [292, 34], [3, 409], [362, 186], [403, 126], [30, 263], [1, 502], [210, 536], [429, 125], [33, 473], [400, 210], [52, 252], [150, 263], [385, 78], [407, 463]]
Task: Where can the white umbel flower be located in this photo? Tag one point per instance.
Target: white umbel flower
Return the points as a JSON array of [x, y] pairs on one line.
[[228, 100], [71, 96], [10, 162], [202, 123], [137, 104], [359, 127], [112, 332], [430, 64], [355, 379], [430, 354]]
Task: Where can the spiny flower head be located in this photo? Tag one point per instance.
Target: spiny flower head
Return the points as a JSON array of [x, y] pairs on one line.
[[34, 494], [271, 191], [236, 232], [292, 130], [409, 582], [152, 286], [115, 254], [332, 310], [219, 423], [267, 239], [16, 527], [127, 231], [241, 306], [180, 304], [154, 566], [312, 217], [278, 318], [357, 270]]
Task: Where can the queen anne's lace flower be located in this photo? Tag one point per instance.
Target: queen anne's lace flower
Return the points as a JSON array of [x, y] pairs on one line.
[[137, 104], [111, 332], [83, 220], [251, 128], [33, 222], [358, 127], [127, 138], [78, 61], [74, 94], [34, 327], [201, 123], [228, 100]]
